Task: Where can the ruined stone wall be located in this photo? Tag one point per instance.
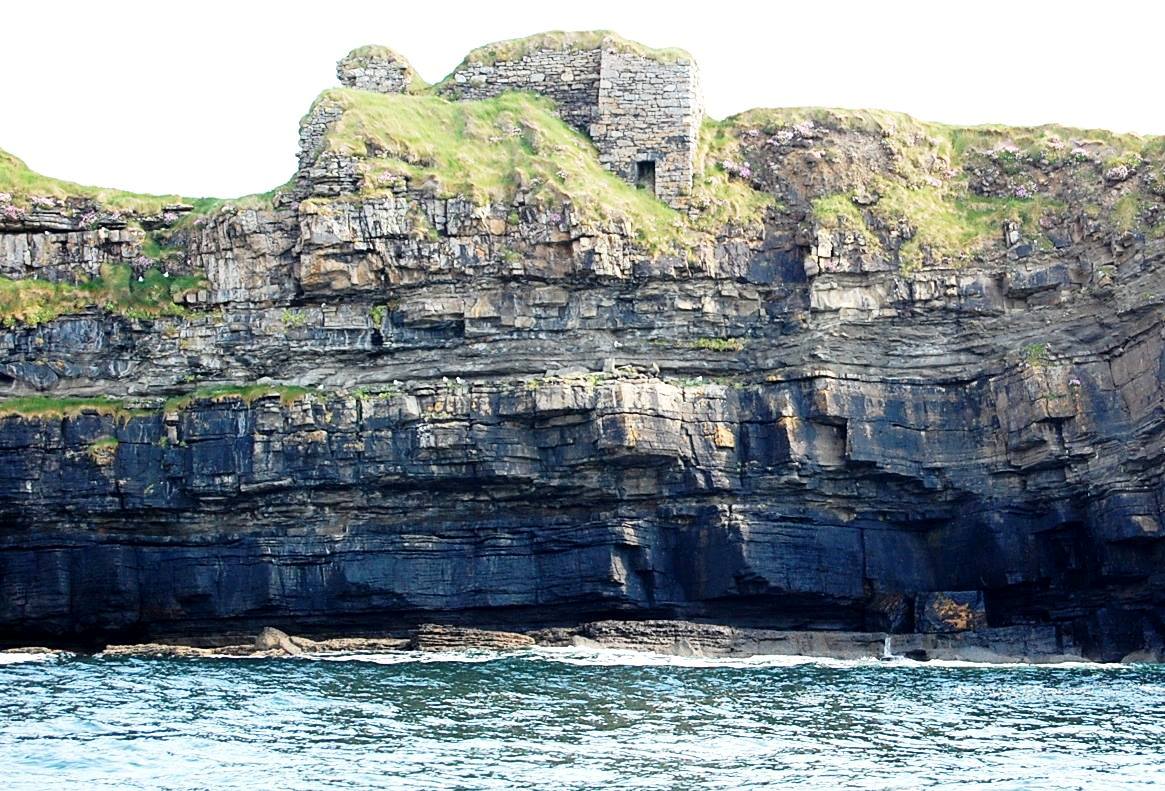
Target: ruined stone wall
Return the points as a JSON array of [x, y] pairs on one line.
[[569, 77], [323, 172], [381, 70], [649, 111], [636, 108]]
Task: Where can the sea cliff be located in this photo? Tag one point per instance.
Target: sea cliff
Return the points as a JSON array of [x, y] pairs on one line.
[[857, 372]]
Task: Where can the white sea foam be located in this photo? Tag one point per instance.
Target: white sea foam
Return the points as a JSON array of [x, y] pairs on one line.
[[404, 657], [615, 657], [18, 657]]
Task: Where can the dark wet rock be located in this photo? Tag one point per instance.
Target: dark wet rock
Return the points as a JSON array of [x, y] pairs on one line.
[[890, 612]]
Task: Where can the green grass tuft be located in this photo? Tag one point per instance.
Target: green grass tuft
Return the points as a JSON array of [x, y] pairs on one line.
[[245, 393], [719, 344], [47, 406], [1036, 354], [33, 302]]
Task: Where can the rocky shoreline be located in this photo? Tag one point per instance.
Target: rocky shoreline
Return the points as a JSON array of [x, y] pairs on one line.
[[1002, 645]]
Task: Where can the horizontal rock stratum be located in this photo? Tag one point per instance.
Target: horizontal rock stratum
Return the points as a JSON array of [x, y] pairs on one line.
[[865, 374]]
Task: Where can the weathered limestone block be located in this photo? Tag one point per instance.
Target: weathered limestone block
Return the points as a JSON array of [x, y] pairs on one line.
[[434, 637], [950, 611]]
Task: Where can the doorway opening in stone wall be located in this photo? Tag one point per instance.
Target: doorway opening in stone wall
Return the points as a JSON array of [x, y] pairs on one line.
[[645, 175]]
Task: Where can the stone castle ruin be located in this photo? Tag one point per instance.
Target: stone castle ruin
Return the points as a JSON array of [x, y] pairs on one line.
[[641, 108]]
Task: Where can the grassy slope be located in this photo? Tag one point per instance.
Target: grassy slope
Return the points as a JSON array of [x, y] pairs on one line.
[[491, 149], [927, 185], [23, 184], [32, 302]]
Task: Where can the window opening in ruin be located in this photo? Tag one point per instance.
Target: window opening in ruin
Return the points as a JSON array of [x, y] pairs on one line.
[[645, 175]]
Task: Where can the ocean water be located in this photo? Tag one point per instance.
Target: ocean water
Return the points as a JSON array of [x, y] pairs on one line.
[[566, 719]]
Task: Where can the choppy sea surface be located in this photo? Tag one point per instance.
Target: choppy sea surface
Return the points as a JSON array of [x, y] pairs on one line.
[[568, 719]]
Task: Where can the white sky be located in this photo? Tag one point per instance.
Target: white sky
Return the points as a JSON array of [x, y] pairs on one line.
[[204, 97]]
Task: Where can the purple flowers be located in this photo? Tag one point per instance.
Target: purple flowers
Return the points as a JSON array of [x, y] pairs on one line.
[[1074, 382], [7, 210], [88, 219], [1021, 192], [740, 169], [555, 217], [782, 137]]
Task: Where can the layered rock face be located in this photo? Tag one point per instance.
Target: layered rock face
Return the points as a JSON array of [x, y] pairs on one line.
[[522, 414]]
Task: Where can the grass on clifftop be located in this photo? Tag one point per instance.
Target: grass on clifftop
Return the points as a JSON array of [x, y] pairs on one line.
[[914, 178], [23, 184], [491, 149], [558, 40], [488, 150], [33, 302]]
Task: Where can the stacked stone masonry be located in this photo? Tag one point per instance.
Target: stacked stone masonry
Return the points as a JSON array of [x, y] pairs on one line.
[[375, 69], [649, 111]]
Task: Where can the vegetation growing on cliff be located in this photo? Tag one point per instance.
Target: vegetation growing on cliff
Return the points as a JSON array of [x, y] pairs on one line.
[[47, 406], [517, 48], [721, 191], [23, 190], [491, 150], [33, 302], [934, 194], [103, 450], [25, 187], [244, 393]]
